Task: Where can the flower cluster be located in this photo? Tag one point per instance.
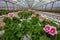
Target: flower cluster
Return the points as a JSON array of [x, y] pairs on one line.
[[40, 15], [50, 29], [30, 23], [33, 15], [11, 14]]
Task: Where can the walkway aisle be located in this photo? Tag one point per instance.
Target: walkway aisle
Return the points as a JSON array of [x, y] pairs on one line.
[[52, 16]]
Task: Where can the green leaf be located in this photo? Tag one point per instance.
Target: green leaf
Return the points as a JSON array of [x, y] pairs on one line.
[[19, 34], [44, 38]]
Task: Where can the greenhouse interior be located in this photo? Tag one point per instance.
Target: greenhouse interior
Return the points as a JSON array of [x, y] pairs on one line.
[[29, 19]]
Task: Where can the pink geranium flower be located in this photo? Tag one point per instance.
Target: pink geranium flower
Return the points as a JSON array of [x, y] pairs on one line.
[[53, 31], [50, 29], [47, 28], [33, 15], [41, 15], [11, 14]]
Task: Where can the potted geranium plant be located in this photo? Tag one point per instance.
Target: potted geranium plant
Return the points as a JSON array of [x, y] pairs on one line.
[[37, 29]]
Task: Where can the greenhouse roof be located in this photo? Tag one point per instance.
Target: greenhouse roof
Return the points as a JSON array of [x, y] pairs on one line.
[[24, 3]]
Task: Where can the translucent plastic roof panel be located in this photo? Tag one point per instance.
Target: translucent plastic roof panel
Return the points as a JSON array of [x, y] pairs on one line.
[[22, 3], [9, 4], [2, 4], [57, 4], [35, 4]]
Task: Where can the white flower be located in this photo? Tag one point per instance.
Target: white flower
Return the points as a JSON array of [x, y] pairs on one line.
[[19, 25], [21, 19], [29, 18]]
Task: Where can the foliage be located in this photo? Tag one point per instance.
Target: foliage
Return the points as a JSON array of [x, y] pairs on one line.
[[1, 28], [15, 28], [25, 14], [12, 29], [6, 11]]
